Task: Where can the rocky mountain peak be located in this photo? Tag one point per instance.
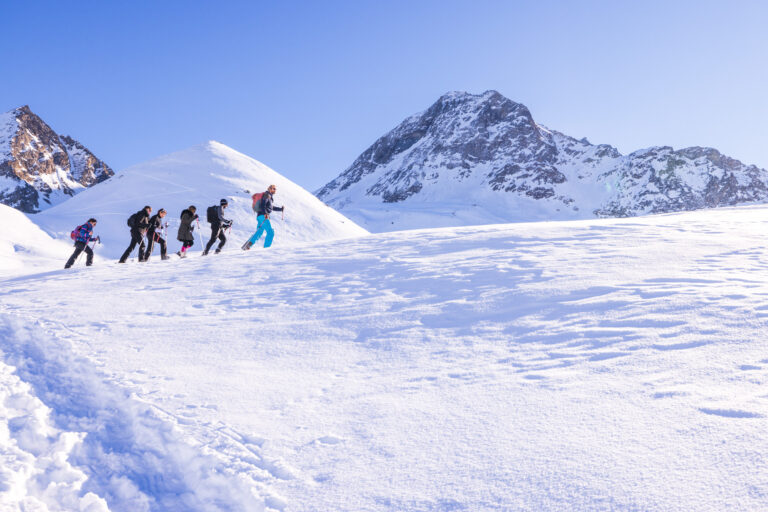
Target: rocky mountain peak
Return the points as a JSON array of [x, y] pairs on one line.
[[42, 168], [478, 158]]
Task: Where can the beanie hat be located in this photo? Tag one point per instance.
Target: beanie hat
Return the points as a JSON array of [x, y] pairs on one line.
[[223, 202]]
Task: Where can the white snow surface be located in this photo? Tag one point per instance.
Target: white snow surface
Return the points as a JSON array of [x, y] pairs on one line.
[[201, 175], [615, 364], [25, 248]]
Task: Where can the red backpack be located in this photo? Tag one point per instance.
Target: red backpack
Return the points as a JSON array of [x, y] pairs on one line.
[[256, 200], [73, 234]]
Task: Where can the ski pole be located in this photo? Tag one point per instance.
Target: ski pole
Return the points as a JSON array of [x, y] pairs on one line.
[[200, 234]]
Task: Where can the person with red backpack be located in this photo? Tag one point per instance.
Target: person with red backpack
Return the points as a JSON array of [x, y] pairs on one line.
[[263, 207], [82, 235]]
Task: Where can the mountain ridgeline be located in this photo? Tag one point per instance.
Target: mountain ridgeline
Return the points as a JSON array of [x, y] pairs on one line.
[[475, 159], [38, 167]]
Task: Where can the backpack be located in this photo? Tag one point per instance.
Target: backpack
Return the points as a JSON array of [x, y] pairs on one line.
[[256, 200], [132, 220], [212, 214], [73, 234]]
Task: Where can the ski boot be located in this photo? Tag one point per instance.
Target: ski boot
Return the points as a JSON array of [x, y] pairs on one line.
[[247, 245]]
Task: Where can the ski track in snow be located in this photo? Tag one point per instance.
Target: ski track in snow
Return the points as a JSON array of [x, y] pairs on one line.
[[614, 364]]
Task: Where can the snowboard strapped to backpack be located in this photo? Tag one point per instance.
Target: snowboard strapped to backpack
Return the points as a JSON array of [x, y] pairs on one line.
[[212, 214]]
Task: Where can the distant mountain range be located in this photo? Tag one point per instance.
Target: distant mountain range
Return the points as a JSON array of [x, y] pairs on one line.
[[478, 159], [38, 167]]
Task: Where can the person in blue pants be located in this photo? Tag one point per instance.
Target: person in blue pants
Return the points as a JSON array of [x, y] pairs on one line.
[[264, 210]]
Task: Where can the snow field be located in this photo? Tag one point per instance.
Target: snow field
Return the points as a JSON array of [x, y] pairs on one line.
[[589, 365]]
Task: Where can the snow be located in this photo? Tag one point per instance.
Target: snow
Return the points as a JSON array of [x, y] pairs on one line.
[[583, 365], [200, 176], [25, 248]]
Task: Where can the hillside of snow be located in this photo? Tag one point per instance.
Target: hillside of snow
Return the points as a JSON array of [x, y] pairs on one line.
[[482, 159], [615, 364], [25, 248], [201, 176]]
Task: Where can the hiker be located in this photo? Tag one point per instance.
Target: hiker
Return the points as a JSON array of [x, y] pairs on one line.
[[82, 236], [263, 210], [185, 234], [218, 225], [138, 222], [155, 235]]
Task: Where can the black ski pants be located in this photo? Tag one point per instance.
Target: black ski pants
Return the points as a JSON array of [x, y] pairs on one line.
[[155, 238], [137, 238], [217, 231], [80, 247]]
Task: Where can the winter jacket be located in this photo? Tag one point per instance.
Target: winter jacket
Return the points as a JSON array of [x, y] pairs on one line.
[[155, 223], [220, 214], [142, 221], [85, 233], [265, 205], [185, 228]]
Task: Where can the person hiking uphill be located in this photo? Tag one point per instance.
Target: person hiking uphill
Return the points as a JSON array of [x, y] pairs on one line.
[[185, 234], [264, 209], [218, 225], [155, 235], [83, 235], [138, 222]]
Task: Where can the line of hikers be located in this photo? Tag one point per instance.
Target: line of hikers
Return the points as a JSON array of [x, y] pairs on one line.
[[144, 224]]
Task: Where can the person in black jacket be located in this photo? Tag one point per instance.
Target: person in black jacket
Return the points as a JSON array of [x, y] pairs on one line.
[[186, 230], [264, 210], [155, 235], [218, 225], [139, 223]]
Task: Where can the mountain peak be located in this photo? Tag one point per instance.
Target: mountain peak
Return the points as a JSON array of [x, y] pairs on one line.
[[480, 158], [40, 167]]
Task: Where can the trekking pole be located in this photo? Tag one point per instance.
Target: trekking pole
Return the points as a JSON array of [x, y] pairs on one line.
[[200, 234]]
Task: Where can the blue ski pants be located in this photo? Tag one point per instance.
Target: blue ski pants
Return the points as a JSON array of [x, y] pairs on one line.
[[264, 225]]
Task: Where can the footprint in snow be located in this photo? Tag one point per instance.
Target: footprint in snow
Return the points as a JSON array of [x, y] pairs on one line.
[[730, 413]]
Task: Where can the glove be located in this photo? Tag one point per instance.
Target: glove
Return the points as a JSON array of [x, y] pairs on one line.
[[196, 217], [98, 239]]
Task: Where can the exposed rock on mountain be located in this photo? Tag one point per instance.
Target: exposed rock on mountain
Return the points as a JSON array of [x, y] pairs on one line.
[[39, 168], [475, 159]]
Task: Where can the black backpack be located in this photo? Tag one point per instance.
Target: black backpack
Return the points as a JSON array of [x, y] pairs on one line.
[[213, 215], [132, 220]]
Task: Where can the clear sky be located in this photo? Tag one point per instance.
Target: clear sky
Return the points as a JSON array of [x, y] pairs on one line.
[[305, 87]]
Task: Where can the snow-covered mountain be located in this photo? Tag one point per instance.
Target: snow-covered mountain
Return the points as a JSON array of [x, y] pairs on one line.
[[200, 176], [38, 167], [25, 248], [480, 159]]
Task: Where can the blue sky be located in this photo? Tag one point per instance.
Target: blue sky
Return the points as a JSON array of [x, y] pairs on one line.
[[305, 87]]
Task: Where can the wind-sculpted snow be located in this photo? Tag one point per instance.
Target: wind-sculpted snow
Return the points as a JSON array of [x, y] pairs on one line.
[[612, 364]]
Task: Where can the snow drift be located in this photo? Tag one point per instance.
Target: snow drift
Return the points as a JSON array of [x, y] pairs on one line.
[[200, 176], [24, 247]]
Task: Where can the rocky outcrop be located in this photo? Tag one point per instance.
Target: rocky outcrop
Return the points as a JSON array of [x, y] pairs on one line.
[[39, 168]]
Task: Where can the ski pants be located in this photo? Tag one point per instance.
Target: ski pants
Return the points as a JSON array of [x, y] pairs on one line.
[[264, 225], [137, 237], [80, 247], [155, 238], [217, 231]]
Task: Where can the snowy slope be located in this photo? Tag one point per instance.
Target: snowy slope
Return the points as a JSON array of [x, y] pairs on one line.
[[24, 247], [615, 364], [481, 158], [200, 176]]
